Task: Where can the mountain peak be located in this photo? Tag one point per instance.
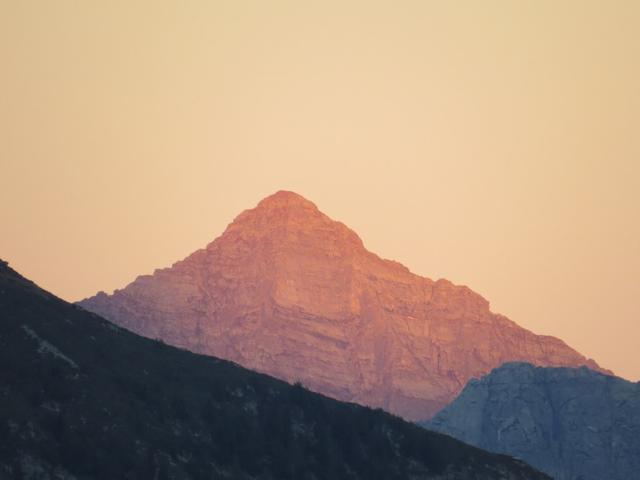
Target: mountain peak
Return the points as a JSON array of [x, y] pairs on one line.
[[286, 198], [289, 217], [288, 291], [278, 207]]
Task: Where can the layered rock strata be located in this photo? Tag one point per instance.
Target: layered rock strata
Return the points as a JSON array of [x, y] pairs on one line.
[[287, 291]]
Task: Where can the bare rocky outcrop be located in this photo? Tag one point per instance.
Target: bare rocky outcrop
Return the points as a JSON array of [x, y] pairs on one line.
[[570, 423], [287, 291]]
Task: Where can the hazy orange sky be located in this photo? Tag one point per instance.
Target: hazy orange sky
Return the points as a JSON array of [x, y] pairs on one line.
[[492, 143]]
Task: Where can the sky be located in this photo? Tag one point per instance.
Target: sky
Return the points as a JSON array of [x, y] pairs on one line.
[[495, 143]]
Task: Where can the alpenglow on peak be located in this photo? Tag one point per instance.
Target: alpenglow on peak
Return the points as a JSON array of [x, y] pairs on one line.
[[288, 291]]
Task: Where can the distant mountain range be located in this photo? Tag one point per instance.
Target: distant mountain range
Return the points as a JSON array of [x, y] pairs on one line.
[[571, 423], [83, 399], [289, 292]]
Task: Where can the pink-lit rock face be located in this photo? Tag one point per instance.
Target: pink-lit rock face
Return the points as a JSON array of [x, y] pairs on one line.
[[287, 291]]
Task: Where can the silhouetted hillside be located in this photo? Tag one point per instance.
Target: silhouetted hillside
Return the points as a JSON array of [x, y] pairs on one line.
[[81, 398]]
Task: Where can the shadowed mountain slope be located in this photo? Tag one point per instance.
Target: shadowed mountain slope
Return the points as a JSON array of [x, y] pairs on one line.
[[83, 399], [287, 291], [571, 423]]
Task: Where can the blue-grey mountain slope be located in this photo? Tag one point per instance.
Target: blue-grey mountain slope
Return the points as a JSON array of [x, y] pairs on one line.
[[572, 423]]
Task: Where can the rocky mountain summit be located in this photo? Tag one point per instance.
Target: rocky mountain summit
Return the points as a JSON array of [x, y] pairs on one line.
[[83, 399], [287, 291], [570, 423]]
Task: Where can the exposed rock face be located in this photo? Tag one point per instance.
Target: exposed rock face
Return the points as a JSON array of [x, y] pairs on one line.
[[288, 291], [570, 423]]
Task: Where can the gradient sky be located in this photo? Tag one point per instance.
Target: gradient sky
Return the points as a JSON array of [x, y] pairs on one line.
[[493, 143]]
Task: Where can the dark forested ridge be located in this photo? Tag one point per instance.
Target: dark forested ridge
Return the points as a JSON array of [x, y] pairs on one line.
[[81, 398]]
